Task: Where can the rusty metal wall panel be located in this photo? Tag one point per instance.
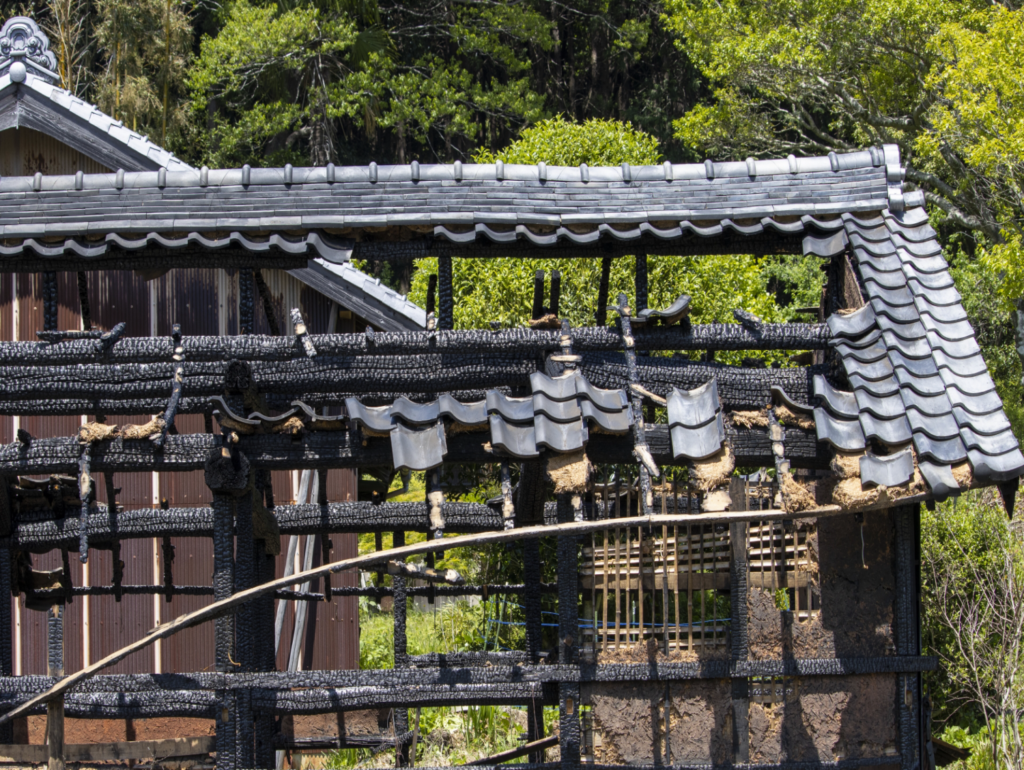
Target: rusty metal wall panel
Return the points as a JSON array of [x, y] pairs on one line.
[[332, 638], [188, 297], [116, 296], [23, 152], [114, 624], [190, 650]]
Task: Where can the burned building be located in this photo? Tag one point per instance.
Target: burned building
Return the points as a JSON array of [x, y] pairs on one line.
[[708, 613]]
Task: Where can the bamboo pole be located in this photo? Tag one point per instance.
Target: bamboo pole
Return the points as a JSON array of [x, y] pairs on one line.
[[232, 603]]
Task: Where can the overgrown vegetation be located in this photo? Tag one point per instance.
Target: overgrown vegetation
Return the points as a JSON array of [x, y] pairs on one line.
[[973, 590]]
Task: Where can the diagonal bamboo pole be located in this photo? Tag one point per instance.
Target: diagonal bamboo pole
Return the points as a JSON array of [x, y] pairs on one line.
[[230, 604]]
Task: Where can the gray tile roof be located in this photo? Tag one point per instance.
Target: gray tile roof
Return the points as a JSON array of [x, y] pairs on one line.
[[909, 354], [912, 366], [364, 295], [36, 103], [455, 203]]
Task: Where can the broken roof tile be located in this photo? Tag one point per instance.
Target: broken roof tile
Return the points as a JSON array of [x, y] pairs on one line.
[[933, 425], [376, 418], [559, 411], [949, 451], [413, 413], [996, 468], [560, 436], [608, 422], [560, 388], [940, 479], [513, 409], [418, 449], [846, 435], [887, 470], [894, 431], [852, 325], [516, 440], [692, 408], [698, 443], [880, 388], [474, 413], [841, 403], [606, 400]]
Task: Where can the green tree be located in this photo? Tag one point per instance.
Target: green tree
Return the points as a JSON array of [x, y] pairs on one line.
[[973, 591], [812, 76], [500, 290], [145, 49], [270, 78]]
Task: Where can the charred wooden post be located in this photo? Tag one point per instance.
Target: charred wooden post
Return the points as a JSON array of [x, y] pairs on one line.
[[6, 592], [399, 611], [50, 301], [538, 295], [446, 296], [325, 536], [568, 639], [85, 487], [177, 384], [83, 300], [228, 477], [246, 302], [641, 282], [906, 525], [643, 455], [556, 292], [431, 302], [268, 302], [601, 314], [740, 650], [55, 668]]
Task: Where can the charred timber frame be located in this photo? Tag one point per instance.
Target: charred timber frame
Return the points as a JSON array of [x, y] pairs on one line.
[[121, 375], [337, 449]]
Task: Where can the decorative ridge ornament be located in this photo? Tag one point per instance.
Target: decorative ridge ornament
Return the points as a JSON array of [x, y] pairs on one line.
[[22, 42]]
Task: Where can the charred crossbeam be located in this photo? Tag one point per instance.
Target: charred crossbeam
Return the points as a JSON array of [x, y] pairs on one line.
[[336, 518], [339, 449], [79, 347], [317, 381], [490, 668]]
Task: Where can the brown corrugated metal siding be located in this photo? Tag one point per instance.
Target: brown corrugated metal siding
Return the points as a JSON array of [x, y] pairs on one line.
[[23, 152]]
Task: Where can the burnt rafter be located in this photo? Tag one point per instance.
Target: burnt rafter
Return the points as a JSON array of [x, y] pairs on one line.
[[314, 379], [338, 449], [82, 348]]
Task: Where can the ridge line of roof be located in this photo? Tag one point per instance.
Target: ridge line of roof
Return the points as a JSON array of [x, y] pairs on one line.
[[886, 157]]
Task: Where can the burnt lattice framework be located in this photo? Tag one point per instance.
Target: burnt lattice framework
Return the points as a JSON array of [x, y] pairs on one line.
[[716, 639]]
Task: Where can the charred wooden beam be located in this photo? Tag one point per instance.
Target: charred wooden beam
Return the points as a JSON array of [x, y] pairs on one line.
[[268, 302], [446, 295], [50, 301], [77, 347], [339, 449], [356, 517], [83, 300], [322, 379], [487, 668]]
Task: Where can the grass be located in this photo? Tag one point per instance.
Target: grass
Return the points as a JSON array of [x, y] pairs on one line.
[[447, 735]]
